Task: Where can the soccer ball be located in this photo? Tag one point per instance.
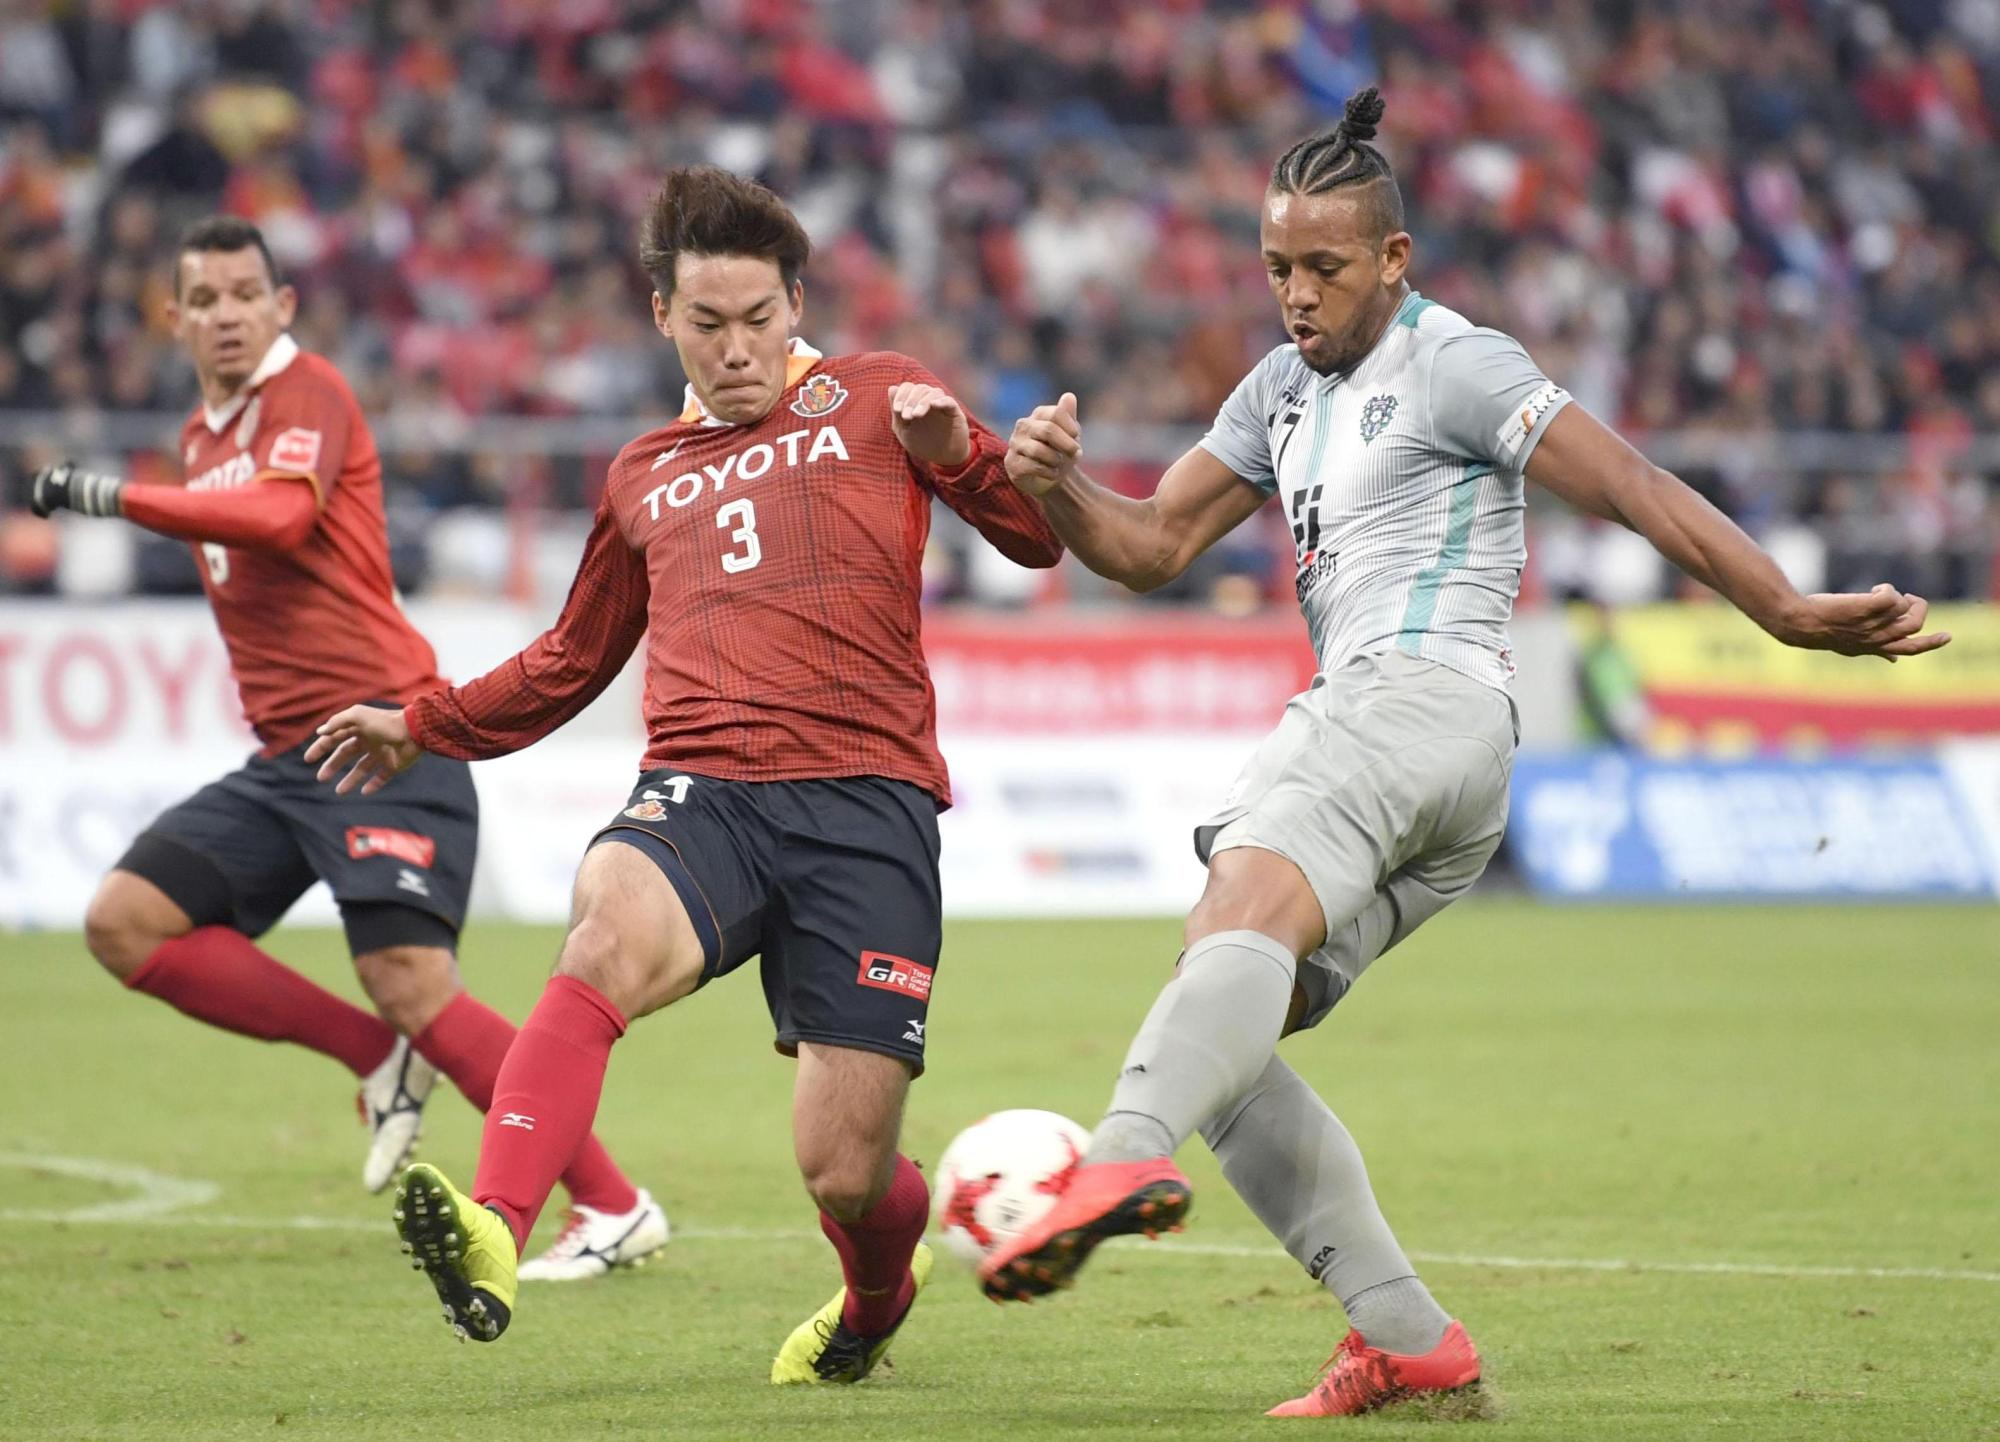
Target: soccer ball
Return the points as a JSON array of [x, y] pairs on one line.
[[1001, 1174]]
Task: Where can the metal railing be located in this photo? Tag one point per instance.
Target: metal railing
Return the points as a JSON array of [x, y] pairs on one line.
[[85, 430]]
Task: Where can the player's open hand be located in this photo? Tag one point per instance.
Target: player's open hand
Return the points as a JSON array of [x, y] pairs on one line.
[[1883, 622], [1045, 446], [371, 742], [930, 424]]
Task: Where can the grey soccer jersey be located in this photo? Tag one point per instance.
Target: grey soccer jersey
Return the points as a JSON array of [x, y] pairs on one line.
[[1402, 481]]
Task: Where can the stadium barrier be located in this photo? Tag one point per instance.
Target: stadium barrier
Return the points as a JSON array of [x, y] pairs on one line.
[[1081, 751], [1606, 825], [1712, 679], [1083, 748]]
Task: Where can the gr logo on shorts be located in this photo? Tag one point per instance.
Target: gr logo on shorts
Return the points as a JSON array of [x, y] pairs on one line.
[[895, 973]]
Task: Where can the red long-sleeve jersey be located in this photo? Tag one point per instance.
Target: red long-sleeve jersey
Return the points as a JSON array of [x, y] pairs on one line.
[[774, 570], [299, 578]]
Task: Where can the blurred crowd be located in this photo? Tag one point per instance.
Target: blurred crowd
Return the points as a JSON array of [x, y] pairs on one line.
[[1718, 222]]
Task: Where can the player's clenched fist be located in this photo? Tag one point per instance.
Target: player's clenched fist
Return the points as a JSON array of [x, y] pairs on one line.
[[930, 424], [1045, 446], [64, 487], [373, 741]]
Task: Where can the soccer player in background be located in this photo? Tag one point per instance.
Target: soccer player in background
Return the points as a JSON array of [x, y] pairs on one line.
[[765, 545], [1397, 435], [282, 502]]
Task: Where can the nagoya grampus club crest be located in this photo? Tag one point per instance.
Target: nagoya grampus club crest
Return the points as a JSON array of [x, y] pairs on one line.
[[820, 395], [1376, 415]]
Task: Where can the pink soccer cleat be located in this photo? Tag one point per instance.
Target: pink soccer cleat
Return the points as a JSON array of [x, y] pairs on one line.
[[1360, 1378], [1108, 1199]]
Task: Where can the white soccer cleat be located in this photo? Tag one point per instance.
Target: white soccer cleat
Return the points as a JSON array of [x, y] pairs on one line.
[[592, 1242], [391, 1101]]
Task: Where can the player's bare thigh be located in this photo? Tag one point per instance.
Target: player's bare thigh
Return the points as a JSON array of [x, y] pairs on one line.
[[127, 920], [1252, 889], [847, 1113], [629, 936]]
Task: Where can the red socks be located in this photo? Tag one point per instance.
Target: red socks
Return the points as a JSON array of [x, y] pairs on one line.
[[544, 1099], [219, 976], [875, 1252], [468, 1041]]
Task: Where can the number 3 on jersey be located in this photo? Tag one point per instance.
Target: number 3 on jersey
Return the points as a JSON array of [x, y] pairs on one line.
[[744, 535]]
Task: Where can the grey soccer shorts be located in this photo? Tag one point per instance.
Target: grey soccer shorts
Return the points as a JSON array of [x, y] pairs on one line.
[[1386, 784]]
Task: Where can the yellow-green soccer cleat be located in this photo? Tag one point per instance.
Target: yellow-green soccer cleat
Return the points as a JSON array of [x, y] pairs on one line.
[[466, 1250], [824, 1350]]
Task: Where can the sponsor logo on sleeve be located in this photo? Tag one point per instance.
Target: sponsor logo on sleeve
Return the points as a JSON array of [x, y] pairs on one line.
[[1522, 423], [366, 841], [895, 973], [820, 395], [296, 449]]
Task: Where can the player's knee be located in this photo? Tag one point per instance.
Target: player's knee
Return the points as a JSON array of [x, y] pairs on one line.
[[598, 955], [1253, 890], [409, 985], [846, 1186], [119, 931]]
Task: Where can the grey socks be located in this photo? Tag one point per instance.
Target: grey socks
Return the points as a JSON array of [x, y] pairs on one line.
[[1207, 1038], [1289, 1157]]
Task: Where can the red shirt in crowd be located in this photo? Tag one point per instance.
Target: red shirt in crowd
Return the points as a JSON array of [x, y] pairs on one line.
[[774, 570], [302, 591]]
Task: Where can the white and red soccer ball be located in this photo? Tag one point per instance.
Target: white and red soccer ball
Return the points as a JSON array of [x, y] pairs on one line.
[[1001, 1174]]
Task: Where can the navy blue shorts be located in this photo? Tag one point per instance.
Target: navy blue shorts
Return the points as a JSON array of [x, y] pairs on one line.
[[833, 883], [242, 849]]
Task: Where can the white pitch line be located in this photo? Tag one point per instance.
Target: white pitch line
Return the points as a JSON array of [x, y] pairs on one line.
[[1621, 1264], [163, 1201], [728, 1235], [157, 1195]]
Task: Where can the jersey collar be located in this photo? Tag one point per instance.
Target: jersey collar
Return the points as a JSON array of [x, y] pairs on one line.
[[284, 350], [801, 358], [1412, 306]]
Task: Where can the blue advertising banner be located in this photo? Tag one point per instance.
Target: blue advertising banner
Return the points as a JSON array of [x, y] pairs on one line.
[[1609, 825]]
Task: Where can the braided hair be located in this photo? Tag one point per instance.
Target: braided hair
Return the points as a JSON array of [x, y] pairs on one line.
[[1342, 156]]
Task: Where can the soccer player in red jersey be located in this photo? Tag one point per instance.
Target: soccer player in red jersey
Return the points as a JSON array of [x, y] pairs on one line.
[[283, 504], [765, 546]]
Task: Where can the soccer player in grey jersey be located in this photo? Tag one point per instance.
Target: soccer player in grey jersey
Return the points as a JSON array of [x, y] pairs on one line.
[[1398, 437]]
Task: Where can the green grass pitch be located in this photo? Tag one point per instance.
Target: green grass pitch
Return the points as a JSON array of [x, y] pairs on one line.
[[1787, 1122]]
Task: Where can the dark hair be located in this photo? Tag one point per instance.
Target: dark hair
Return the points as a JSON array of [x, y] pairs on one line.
[[224, 233], [704, 210], [1343, 156]]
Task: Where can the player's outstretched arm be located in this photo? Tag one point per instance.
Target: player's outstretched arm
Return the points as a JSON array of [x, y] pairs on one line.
[[276, 514], [1596, 470], [1141, 545], [560, 672], [371, 744]]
